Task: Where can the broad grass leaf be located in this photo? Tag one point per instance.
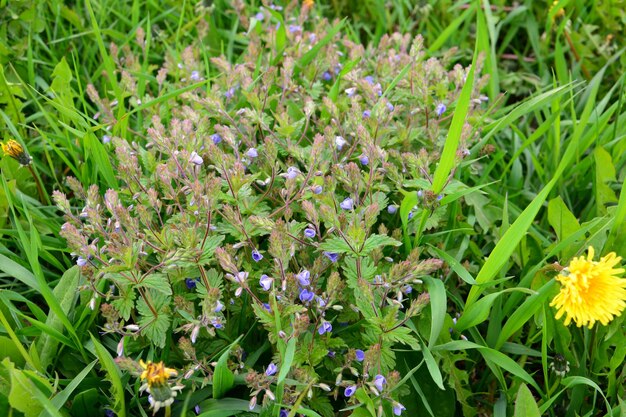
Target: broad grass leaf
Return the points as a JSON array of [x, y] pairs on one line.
[[223, 377], [605, 174], [525, 404], [431, 364], [113, 375], [563, 222], [438, 307]]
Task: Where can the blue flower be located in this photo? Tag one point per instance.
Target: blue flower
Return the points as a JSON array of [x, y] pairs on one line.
[[306, 296], [271, 369], [367, 114], [304, 278], [407, 289], [195, 76], [267, 307], [252, 153], [317, 189], [310, 233], [350, 91], [331, 353], [340, 142], [256, 255], [390, 107], [364, 159], [190, 283], [218, 307], [109, 413], [360, 355], [295, 28], [379, 382], [81, 261], [216, 138], [216, 323], [398, 408], [195, 159], [370, 80], [265, 282], [106, 139], [392, 209], [327, 76], [440, 109], [230, 93], [332, 256], [326, 327], [411, 214], [292, 172], [349, 392], [347, 204], [420, 193], [439, 197], [283, 413], [259, 16]]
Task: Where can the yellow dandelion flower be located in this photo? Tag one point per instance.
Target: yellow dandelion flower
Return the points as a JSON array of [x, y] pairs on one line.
[[308, 4], [591, 290], [157, 384], [13, 149]]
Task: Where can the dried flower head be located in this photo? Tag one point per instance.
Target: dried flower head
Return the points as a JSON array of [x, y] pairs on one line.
[[13, 149]]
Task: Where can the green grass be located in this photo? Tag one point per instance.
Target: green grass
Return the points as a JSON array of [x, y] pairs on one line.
[[544, 180]]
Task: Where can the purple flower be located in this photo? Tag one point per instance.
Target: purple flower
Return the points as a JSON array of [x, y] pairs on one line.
[[196, 409], [304, 278], [252, 153], [420, 193], [271, 369], [360, 355], [332, 256], [241, 277], [390, 107], [190, 283], [347, 204], [340, 142], [109, 413], [331, 353], [364, 159], [326, 327], [216, 323], [195, 159], [106, 139], [283, 413], [407, 289], [398, 408], [216, 138], [327, 76], [310, 233], [320, 302], [317, 189], [195, 76], [81, 261], [292, 172], [259, 16], [440, 109], [379, 382], [295, 28], [439, 197], [230, 93], [306, 296], [256, 255], [367, 113], [392, 209], [410, 216], [349, 392], [370, 80], [265, 282], [350, 91], [267, 307]]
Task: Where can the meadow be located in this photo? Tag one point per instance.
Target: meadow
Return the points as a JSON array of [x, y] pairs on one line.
[[378, 208]]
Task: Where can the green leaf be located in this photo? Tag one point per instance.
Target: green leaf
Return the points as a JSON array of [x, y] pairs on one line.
[[337, 245], [65, 292], [431, 364], [113, 376], [525, 404], [223, 377], [605, 173], [158, 282], [376, 241], [438, 306], [561, 219], [285, 367]]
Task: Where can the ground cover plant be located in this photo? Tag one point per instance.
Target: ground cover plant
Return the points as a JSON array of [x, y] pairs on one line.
[[254, 209]]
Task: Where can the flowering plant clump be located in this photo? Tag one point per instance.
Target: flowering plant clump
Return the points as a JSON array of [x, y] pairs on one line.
[[257, 224]]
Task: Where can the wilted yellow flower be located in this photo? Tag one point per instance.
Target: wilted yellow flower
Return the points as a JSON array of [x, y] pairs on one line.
[[308, 4], [591, 291], [156, 376], [13, 149]]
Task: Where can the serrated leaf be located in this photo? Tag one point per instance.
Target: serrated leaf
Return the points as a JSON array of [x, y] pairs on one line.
[[155, 327], [337, 245], [158, 282], [125, 304], [211, 243], [376, 241]]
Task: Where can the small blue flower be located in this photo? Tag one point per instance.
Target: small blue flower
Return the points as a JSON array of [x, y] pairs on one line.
[[349, 392], [195, 76], [265, 282], [310, 233], [360, 355], [109, 413], [267, 307], [306, 296], [304, 278], [106, 139], [256, 255], [317, 189], [283, 413], [271, 369], [379, 382], [230, 93], [350, 91], [411, 214], [367, 113], [340, 142], [332, 256], [217, 324], [331, 353], [398, 409], [439, 197], [81, 261], [196, 409], [195, 159], [440, 109], [259, 16], [190, 283], [216, 138], [252, 153], [327, 76], [392, 209], [364, 159], [390, 107], [326, 327], [347, 204], [218, 307], [407, 289], [420, 193], [370, 80], [292, 172], [295, 28]]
